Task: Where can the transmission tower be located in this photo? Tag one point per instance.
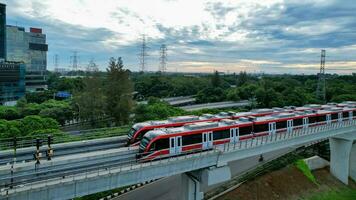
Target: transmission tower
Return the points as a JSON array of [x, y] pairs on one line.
[[56, 62], [143, 54], [163, 59], [320, 91], [74, 62]]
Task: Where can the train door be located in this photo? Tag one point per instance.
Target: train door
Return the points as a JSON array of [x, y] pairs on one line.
[[272, 127], [179, 144], [339, 116], [289, 125], [328, 118], [234, 135], [350, 115], [207, 140], [305, 122], [172, 146], [175, 145]]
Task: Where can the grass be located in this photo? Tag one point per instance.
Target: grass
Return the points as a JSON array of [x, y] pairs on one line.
[[340, 194], [303, 167]]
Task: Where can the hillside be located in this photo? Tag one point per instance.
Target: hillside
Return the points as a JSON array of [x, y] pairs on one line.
[[290, 183]]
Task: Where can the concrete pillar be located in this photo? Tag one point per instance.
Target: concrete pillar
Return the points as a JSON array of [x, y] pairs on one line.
[[191, 187], [340, 162], [353, 162]]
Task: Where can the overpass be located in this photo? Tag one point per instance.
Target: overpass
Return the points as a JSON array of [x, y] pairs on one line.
[[205, 167]]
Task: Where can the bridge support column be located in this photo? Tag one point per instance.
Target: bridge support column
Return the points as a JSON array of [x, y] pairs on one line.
[[343, 158], [193, 183], [191, 187]]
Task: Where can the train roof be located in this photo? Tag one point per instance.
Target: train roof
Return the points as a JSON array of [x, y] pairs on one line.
[[242, 120], [306, 110]]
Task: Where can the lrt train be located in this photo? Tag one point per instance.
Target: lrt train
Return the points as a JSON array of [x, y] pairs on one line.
[[138, 130], [204, 135]]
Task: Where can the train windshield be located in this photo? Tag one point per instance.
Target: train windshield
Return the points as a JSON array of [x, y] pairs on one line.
[[131, 133], [144, 142]]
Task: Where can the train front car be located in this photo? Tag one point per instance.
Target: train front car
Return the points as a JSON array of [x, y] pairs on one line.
[[132, 136]]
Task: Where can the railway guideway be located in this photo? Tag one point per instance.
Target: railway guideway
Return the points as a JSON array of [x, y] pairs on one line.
[[208, 167]]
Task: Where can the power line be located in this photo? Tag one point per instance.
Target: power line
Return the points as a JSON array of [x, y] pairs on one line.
[[320, 91], [143, 54], [163, 59]]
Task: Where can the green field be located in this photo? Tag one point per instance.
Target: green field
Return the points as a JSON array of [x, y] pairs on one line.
[[340, 194]]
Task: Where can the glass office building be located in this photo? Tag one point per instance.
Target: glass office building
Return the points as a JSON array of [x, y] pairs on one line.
[[31, 49], [2, 31], [12, 82]]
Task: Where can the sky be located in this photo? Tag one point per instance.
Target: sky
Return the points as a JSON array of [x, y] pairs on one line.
[[270, 36]]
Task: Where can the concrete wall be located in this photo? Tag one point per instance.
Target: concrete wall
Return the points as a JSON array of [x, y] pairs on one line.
[[316, 162]]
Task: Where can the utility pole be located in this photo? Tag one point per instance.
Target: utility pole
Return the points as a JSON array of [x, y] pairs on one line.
[[143, 54], [163, 59], [321, 89]]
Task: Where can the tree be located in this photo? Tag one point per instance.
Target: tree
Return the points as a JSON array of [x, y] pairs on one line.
[[242, 78], [215, 80], [119, 90], [91, 100]]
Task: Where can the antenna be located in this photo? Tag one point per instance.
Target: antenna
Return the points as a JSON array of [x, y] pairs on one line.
[[320, 91], [143, 54], [163, 59]]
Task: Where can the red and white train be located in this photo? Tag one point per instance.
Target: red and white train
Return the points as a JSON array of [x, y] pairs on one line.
[[138, 130], [204, 135]]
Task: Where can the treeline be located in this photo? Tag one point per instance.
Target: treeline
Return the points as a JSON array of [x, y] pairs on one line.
[[265, 91]]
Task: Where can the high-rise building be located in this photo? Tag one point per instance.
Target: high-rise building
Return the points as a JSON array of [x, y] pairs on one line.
[[31, 49], [2, 31], [12, 82]]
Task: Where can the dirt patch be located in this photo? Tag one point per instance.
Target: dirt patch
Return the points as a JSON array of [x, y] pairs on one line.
[[287, 183]]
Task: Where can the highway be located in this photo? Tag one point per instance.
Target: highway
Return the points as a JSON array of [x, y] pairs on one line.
[[62, 149], [225, 104]]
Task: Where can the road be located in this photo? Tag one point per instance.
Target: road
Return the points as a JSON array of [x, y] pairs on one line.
[[225, 104]]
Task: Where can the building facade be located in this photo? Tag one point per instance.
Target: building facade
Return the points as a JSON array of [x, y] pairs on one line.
[[12, 82], [2, 31], [31, 49]]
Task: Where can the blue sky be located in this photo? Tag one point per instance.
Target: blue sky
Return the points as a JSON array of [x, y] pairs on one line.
[[272, 36]]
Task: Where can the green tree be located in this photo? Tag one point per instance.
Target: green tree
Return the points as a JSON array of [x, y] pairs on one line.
[[119, 90], [242, 78], [91, 100], [215, 80]]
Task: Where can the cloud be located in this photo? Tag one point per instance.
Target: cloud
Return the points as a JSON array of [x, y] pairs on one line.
[[272, 35]]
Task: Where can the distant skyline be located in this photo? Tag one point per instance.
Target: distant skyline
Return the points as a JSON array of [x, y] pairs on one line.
[[272, 36]]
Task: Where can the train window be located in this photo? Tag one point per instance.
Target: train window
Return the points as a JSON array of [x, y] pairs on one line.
[[261, 128], [221, 134], [313, 120], [245, 130], [162, 144], [298, 122], [191, 139], [281, 124], [141, 134], [334, 116], [345, 114], [354, 113], [321, 118]]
